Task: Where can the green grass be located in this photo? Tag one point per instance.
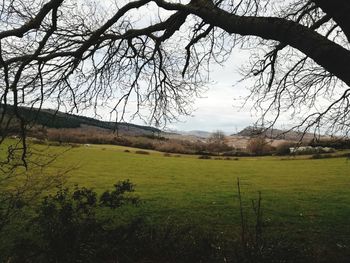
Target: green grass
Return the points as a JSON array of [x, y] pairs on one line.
[[302, 199]]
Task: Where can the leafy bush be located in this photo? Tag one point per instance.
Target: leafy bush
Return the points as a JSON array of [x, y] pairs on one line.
[[174, 242], [117, 198], [66, 227]]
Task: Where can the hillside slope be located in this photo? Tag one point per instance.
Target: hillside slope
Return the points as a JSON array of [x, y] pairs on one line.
[[56, 119], [251, 131]]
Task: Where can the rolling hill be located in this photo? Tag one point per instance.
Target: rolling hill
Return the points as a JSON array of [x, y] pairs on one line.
[[55, 119], [276, 134]]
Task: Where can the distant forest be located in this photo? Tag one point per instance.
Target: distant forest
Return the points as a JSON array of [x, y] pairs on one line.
[[57, 119]]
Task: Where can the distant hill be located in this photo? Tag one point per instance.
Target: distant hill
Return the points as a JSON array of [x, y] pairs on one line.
[[201, 134], [56, 119], [251, 131]]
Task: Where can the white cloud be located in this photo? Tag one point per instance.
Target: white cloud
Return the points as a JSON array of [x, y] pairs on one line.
[[220, 107]]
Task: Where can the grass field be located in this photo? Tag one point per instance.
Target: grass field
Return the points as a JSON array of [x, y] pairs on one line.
[[306, 200]]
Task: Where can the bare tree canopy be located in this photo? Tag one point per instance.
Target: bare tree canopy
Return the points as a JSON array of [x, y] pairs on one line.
[[156, 53], [217, 137]]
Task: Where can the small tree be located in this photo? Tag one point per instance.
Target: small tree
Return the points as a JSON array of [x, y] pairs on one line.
[[258, 146], [284, 148], [217, 142], [217, 137]]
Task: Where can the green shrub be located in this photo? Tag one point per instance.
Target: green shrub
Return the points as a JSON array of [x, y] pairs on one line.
[[66, 227], [117, 198]]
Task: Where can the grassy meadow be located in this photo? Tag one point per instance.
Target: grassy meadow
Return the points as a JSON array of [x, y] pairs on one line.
[[302, 199]]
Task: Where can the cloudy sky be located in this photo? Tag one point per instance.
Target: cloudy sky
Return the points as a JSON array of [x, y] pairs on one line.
[[220, 107]]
